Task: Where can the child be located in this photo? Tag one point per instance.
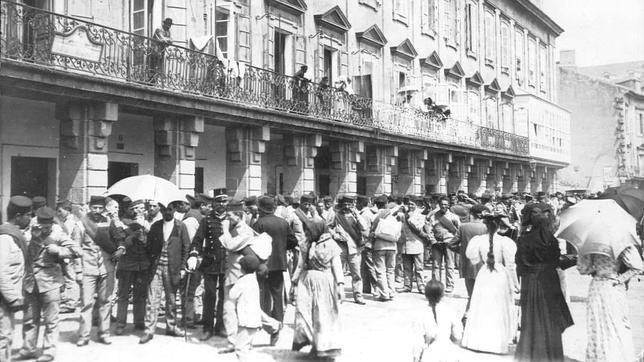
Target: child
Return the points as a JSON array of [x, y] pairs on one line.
[[245, 294], [441, 325]]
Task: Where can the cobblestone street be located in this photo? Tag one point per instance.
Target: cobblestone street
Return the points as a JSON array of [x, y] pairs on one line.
[[374, 332]]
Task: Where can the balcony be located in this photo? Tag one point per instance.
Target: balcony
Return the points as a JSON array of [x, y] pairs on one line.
[[34, 36]]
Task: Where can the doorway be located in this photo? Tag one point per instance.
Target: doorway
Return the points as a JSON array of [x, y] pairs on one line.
[[116, 171], [33, 176]]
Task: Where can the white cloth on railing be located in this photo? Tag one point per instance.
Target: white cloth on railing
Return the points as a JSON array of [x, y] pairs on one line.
[[199, 43]]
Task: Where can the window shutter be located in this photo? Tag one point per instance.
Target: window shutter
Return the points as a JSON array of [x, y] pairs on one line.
[[318, 72], [344, 63], [243, 38], [300, 51], [269, 48]]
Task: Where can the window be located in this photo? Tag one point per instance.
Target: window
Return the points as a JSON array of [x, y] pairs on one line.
[[507, 117], [428, 19], [505, 48], [491, 112], [543, 69], [520, 59], [362, 83], [401, 11], [141, 21], [532, 63], [490, 39], [429, 87], [471, 29], [640, 118], [222, 17], [243, 38], [328, 65], [474, 106], [451, 22], [280, 48], [455, 102]]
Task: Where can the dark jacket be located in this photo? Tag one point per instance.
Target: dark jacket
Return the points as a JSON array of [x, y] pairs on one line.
[[207, 245], [136, 257], [283, 239], [459, 244], [178, 248]]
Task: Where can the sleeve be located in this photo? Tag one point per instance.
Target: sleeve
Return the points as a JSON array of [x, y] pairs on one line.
[[362, 223], [68, 250], [455, 243], [633, 262], [472, 251], [10, 275], [509, 252], [185, 244]]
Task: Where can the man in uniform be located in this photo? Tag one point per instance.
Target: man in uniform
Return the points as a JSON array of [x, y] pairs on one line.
[[48, 247], [13, 249], [206, 244], [443, 225]]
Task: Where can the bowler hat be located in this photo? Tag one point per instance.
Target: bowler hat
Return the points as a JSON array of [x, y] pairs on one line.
[[266, 204], [45, 214], [250, 200]]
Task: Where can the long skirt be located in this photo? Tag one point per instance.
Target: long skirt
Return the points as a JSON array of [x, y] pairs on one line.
[[609, 330], [317, 314], [491, 321], [544, 316]]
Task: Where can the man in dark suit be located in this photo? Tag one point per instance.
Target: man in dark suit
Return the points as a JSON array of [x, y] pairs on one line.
[[271, 284], [459, 243], [168, 246]]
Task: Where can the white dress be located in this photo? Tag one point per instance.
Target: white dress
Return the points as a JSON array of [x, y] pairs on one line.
[[446, 326], [492, 321]]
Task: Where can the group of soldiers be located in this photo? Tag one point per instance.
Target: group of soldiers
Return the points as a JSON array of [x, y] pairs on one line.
[[55, 260]]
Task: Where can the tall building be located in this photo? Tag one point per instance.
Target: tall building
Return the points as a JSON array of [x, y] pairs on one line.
[[607, 105], [87, 97]]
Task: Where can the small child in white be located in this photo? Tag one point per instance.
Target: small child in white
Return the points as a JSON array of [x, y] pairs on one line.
[[245, 293]]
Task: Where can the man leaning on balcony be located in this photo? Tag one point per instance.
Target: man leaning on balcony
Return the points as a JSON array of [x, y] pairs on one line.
[[162, 38]]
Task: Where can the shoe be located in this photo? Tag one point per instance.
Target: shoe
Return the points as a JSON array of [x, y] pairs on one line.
[[207, 336], [65, 310], [146, 338], [405, 290], [360, 301], [23, 355], [105, 340], [228, 349], [119, 331], [274, 338], [384, 299], [45, 358], [176, 332], [82, 342]]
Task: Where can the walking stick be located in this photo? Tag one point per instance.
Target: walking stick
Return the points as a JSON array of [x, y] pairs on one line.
[[185, 301]]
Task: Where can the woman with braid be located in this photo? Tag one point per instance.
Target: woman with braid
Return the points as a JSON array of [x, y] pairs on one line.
[[441, 327], [491, 322]]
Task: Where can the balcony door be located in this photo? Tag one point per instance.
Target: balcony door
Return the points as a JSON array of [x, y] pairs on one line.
[[141, 23]]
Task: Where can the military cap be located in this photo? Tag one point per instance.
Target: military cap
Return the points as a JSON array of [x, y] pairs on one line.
[[38, 201], [235, 205], [346, 198], [362, 198], [506, 196], [45, 214], [541, 195], [97, 200], [21, 204], [220, 195]]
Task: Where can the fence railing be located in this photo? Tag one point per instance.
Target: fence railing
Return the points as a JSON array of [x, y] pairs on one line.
[[41, 37]]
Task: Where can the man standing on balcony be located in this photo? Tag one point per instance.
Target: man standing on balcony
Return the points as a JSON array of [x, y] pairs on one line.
[[162, 38]]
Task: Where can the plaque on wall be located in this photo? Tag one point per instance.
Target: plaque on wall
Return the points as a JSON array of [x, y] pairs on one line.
[[77, 44]]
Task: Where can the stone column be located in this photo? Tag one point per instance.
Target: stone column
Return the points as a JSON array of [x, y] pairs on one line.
[[245, 147], [84, 131], [176, 140], [299, 154], [380, 161], [483, 171], [411, 172], [344, 157], [512, 184], [536, 183]]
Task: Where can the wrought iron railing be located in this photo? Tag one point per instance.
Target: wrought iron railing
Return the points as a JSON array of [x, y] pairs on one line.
[[36, 36]]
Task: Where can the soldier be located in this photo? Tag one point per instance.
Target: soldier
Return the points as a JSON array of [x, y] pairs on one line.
[[13, 249], [207, 245], [48, 247]]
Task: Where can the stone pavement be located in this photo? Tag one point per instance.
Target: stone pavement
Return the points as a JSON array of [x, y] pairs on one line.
[[374, 332]]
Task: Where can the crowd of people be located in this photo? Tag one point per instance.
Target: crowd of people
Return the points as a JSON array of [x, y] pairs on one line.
[[227, 264]]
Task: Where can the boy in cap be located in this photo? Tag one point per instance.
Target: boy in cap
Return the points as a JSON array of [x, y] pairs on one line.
[[13, 248], [74, 272], [48, 247], [245, 294]]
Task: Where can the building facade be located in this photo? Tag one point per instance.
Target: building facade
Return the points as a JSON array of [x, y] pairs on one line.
[[88, 98], [607, 126]]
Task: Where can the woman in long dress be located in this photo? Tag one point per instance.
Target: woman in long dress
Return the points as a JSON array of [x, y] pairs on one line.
[[544, 312], [318, 282], [491, 322], [442, 329], [609, 331]]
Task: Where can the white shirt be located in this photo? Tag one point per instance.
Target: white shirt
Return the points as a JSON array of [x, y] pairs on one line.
[[192, 225], [167, 229]]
